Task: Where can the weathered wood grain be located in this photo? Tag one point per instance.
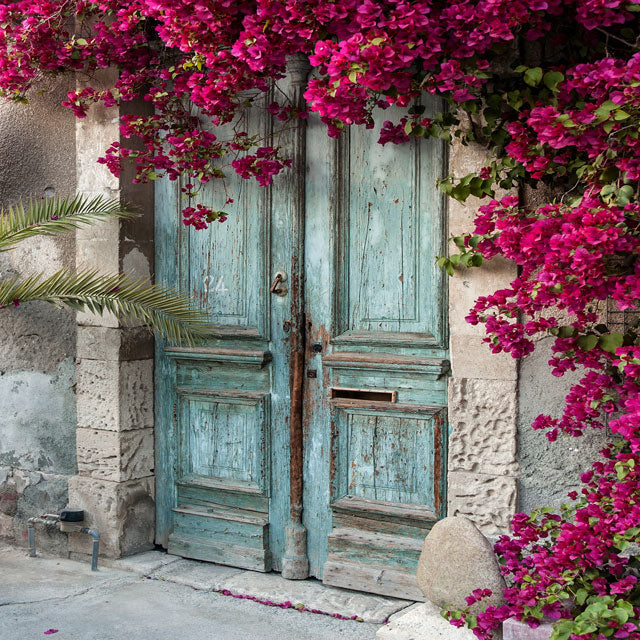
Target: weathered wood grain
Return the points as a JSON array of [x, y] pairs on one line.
[[380, 580], [253, 455]]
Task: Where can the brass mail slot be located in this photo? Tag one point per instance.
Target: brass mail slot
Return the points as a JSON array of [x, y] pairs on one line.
[[362, 394]]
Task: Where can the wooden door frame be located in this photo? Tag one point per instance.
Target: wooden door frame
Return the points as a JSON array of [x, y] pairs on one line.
[[482, 405]]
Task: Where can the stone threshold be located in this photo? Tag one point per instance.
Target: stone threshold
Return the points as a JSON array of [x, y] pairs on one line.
[[267, 588]]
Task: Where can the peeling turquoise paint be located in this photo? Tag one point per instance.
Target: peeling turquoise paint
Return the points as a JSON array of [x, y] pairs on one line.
[[374, 309]]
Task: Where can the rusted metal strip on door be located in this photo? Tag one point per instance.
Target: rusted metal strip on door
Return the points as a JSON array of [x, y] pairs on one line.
[[295, 565]]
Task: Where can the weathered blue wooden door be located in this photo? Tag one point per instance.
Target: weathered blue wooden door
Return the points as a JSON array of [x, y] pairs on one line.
[[308, 436], [375, 391]]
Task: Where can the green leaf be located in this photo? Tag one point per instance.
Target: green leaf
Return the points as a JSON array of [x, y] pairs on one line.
[[474, 241], [476, 187], [566, 331], [461, 192], [533, 76], [50, 216], [611, 341], [622, 470], [609, 174], [552, 79], [164, 310], [588, 342], [603, 111]]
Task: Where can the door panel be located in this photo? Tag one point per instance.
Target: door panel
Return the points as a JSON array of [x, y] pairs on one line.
[[387, 279], [220, 406], [228, 266], [386, 455], [223, 437], [375, 308]]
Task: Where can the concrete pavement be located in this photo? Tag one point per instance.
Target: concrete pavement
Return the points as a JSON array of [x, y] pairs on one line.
[[156, 599]]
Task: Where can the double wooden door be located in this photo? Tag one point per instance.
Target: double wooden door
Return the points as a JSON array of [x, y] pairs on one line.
[[309, 434]]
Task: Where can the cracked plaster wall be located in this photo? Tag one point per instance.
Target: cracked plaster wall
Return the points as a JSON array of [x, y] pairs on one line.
[[37, 342]]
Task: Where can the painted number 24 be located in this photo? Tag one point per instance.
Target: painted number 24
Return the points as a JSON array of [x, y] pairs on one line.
[[219, 286]]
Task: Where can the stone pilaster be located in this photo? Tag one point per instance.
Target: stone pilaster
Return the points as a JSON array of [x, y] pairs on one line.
[[482, 467], [115, 453]]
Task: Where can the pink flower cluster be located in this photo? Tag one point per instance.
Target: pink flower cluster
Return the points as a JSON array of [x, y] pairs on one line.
[[550, 561], [368, 55]]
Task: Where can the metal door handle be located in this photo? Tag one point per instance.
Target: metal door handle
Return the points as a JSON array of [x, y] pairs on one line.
[[276, 286]]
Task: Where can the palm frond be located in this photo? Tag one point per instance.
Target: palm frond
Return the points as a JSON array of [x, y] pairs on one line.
[[48, 216], [164, 310]]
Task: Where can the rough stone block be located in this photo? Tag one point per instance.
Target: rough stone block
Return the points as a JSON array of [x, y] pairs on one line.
[[422, 622], [115, 396], [455, 560], [472, 358], [483, 417], [468, 284], [513, 629], [488, 501], [123, 513], [94, 134], [117, 344], [6, 527], [115, 456]]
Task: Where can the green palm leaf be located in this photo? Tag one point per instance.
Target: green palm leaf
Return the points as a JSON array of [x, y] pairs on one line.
[[163, 309], [48, 216]]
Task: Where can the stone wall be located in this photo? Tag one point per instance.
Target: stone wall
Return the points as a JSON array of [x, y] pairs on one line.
[[37, 342], [549, 470], [115, 445], [483, 403]]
